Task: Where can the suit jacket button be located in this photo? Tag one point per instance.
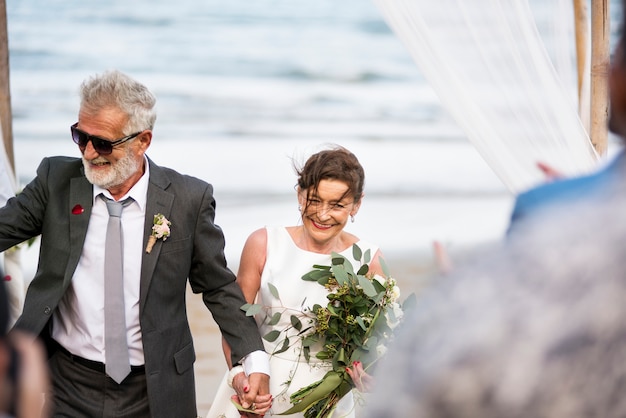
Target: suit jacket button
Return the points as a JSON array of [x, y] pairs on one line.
[[47, 310]]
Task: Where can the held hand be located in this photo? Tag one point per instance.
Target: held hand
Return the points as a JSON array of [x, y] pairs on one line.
[[252, 393], [363, 381]]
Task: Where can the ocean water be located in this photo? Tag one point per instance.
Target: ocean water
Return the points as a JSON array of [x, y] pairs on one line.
[[247, 88]]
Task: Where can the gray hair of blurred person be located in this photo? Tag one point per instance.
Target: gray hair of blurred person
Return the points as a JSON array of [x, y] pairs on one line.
[[116, 89]]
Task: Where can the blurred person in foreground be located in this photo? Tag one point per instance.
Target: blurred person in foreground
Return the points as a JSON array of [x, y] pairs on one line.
[[169, 240], [535, 326], [329, 194], [23, 369]]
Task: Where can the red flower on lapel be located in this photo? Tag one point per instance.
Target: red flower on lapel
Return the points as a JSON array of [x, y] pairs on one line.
[[77, 210]]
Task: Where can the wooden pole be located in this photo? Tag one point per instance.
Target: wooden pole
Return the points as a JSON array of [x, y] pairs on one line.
[[5, 90], [600, 51], [581, 26]]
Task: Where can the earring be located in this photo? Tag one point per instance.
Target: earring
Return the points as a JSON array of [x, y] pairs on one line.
[[299, 208], [352, 218]]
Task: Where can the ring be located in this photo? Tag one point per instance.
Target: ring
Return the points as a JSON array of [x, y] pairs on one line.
[[253, 406]]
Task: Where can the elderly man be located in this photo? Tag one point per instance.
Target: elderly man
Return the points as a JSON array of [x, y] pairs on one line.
[[120, 239]]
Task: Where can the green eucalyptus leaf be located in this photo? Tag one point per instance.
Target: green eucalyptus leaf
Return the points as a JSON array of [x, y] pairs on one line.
[[296, 323], [363, 270], [315, 275], [284, 347], [271, 336], [359, 321], [336, 258], [367, 286], [340, 274], [356, 252], [383, 265], [275, 318], [309, 340], [378, 286], [409, 303], [273, 290], [241, 408], [349, 269], [253, 309], [367, 257], [321, 267], [332, 309]]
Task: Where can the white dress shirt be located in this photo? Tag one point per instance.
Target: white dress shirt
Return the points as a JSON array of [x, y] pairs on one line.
[[78, 323]]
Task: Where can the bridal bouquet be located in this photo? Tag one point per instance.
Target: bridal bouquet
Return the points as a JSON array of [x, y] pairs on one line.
[[355, 325]]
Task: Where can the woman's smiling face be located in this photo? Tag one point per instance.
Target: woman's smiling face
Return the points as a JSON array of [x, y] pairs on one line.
[[325, 211]]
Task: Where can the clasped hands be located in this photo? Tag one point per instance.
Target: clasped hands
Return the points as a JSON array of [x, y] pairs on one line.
[[253, 394], [253, 391]]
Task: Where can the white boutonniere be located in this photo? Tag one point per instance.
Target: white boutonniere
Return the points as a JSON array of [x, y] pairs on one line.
[[160, 230]]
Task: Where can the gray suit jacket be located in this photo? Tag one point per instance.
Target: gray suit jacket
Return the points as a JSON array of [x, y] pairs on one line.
[[193, 251]]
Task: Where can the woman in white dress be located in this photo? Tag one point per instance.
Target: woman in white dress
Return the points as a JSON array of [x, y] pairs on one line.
[[329, 192]]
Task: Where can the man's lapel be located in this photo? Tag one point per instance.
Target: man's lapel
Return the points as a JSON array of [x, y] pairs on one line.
[[80, 205], [158, 201]]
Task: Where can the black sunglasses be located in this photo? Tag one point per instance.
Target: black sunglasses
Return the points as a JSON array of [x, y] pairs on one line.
[[101, 145]]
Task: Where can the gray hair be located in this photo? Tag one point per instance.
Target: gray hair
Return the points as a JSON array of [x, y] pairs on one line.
[[116, 89]]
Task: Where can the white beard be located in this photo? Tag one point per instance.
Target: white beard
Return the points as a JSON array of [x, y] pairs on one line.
[[117, 173]]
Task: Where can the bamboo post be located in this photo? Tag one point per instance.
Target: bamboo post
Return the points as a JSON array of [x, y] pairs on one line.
[[582, 35], [599, 74], [5, 90]]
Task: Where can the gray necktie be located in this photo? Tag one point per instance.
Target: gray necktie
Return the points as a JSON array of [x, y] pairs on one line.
[[116, 347]]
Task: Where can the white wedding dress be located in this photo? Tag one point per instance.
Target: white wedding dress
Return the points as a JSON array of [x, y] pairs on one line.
[[284, 266]]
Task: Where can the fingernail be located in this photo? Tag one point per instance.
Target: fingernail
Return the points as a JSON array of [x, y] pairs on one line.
[[246, 388], [347, 369]]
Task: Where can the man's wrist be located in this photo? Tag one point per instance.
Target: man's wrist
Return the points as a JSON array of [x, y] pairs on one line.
[[256, 362]]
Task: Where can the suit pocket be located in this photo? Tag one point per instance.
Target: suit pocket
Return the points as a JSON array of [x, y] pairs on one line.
[[178, 245], [185, 358]]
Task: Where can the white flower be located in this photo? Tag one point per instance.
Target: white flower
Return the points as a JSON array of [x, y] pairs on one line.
[[395, 294], [161, 227], [394, 315], [160, 230], [381, 350]]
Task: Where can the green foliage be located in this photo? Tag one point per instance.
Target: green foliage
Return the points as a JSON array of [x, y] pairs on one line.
[[355, 325]]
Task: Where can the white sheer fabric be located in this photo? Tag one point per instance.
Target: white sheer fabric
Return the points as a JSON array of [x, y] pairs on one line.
[[486, 61]]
